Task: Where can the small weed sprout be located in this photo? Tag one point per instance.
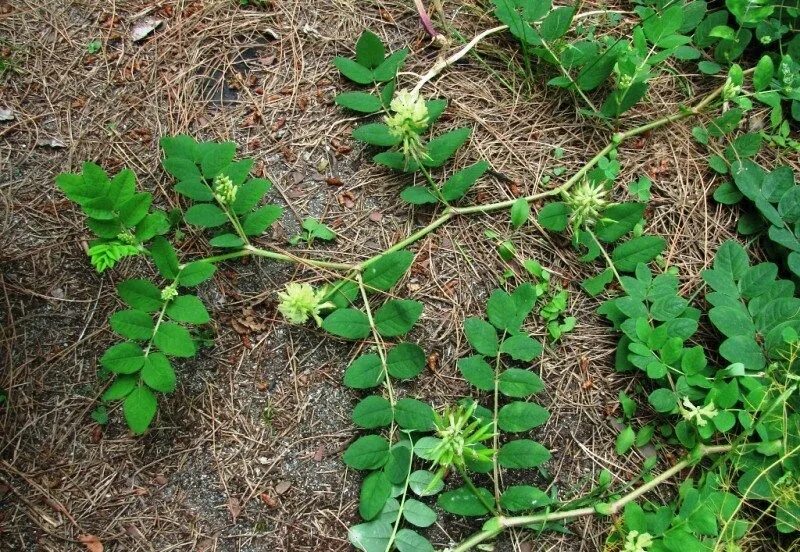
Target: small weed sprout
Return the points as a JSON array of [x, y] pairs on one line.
[[637, 542]]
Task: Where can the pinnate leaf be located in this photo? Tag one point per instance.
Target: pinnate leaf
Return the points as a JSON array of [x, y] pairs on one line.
[[140, 294], [375, 491], [405, 360], [369, 452], [481, 335], [123, 358], [188, 308], [384, 273], [521, 416], [174, 340], [133, 324]]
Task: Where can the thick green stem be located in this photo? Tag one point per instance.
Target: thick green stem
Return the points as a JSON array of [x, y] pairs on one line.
[[222, 257], [234, 220], [519, 521], [496, 437], [387, 381], [156, 326], [402, 501], [446, 215]]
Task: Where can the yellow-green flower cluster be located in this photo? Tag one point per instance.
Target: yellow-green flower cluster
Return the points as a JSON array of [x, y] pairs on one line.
[[637, 542], [586, 202], [224, 190], [127, 237], [299, 302], [408, 120], [170, 292], [700, 415]]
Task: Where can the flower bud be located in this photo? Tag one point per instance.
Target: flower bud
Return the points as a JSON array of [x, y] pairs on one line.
[[170, 292], [224, 190]]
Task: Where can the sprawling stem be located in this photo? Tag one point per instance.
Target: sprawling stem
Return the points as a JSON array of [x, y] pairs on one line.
[[159, 320], [387, 381], [396, 525], [450, 212], [286, 257], [519, 521], [496, 436], [444, 63]]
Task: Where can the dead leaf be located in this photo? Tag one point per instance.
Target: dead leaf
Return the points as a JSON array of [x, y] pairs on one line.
[[97, 434], [268, 500], [375, 216], [235, 507], [433, 361], [248, 321], [143, 28], [347, 199], [282, 487], [91, 543], [205, 545], [6, 114], [51, 142]]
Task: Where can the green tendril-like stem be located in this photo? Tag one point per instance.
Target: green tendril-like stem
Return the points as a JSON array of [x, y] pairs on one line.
[[451, 212], [504, 523]]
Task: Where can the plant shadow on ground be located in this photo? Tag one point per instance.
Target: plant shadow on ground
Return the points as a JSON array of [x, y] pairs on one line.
[[246, 454]]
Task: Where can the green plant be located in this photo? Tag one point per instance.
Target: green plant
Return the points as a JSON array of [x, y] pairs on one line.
[[94, 46], [752, 403], [388, 457], [739, 424], [669, 30], [312, 229], [156, 326], [595, 220]]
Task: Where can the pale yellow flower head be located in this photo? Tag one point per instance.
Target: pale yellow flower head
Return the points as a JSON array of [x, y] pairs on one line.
[[170, 292], [410, 109], [586, 201], [299, 302], [409, 118]]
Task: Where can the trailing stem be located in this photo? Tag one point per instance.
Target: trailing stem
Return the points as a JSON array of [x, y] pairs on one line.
[[502, 523], [451, 212], [381, 350]]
